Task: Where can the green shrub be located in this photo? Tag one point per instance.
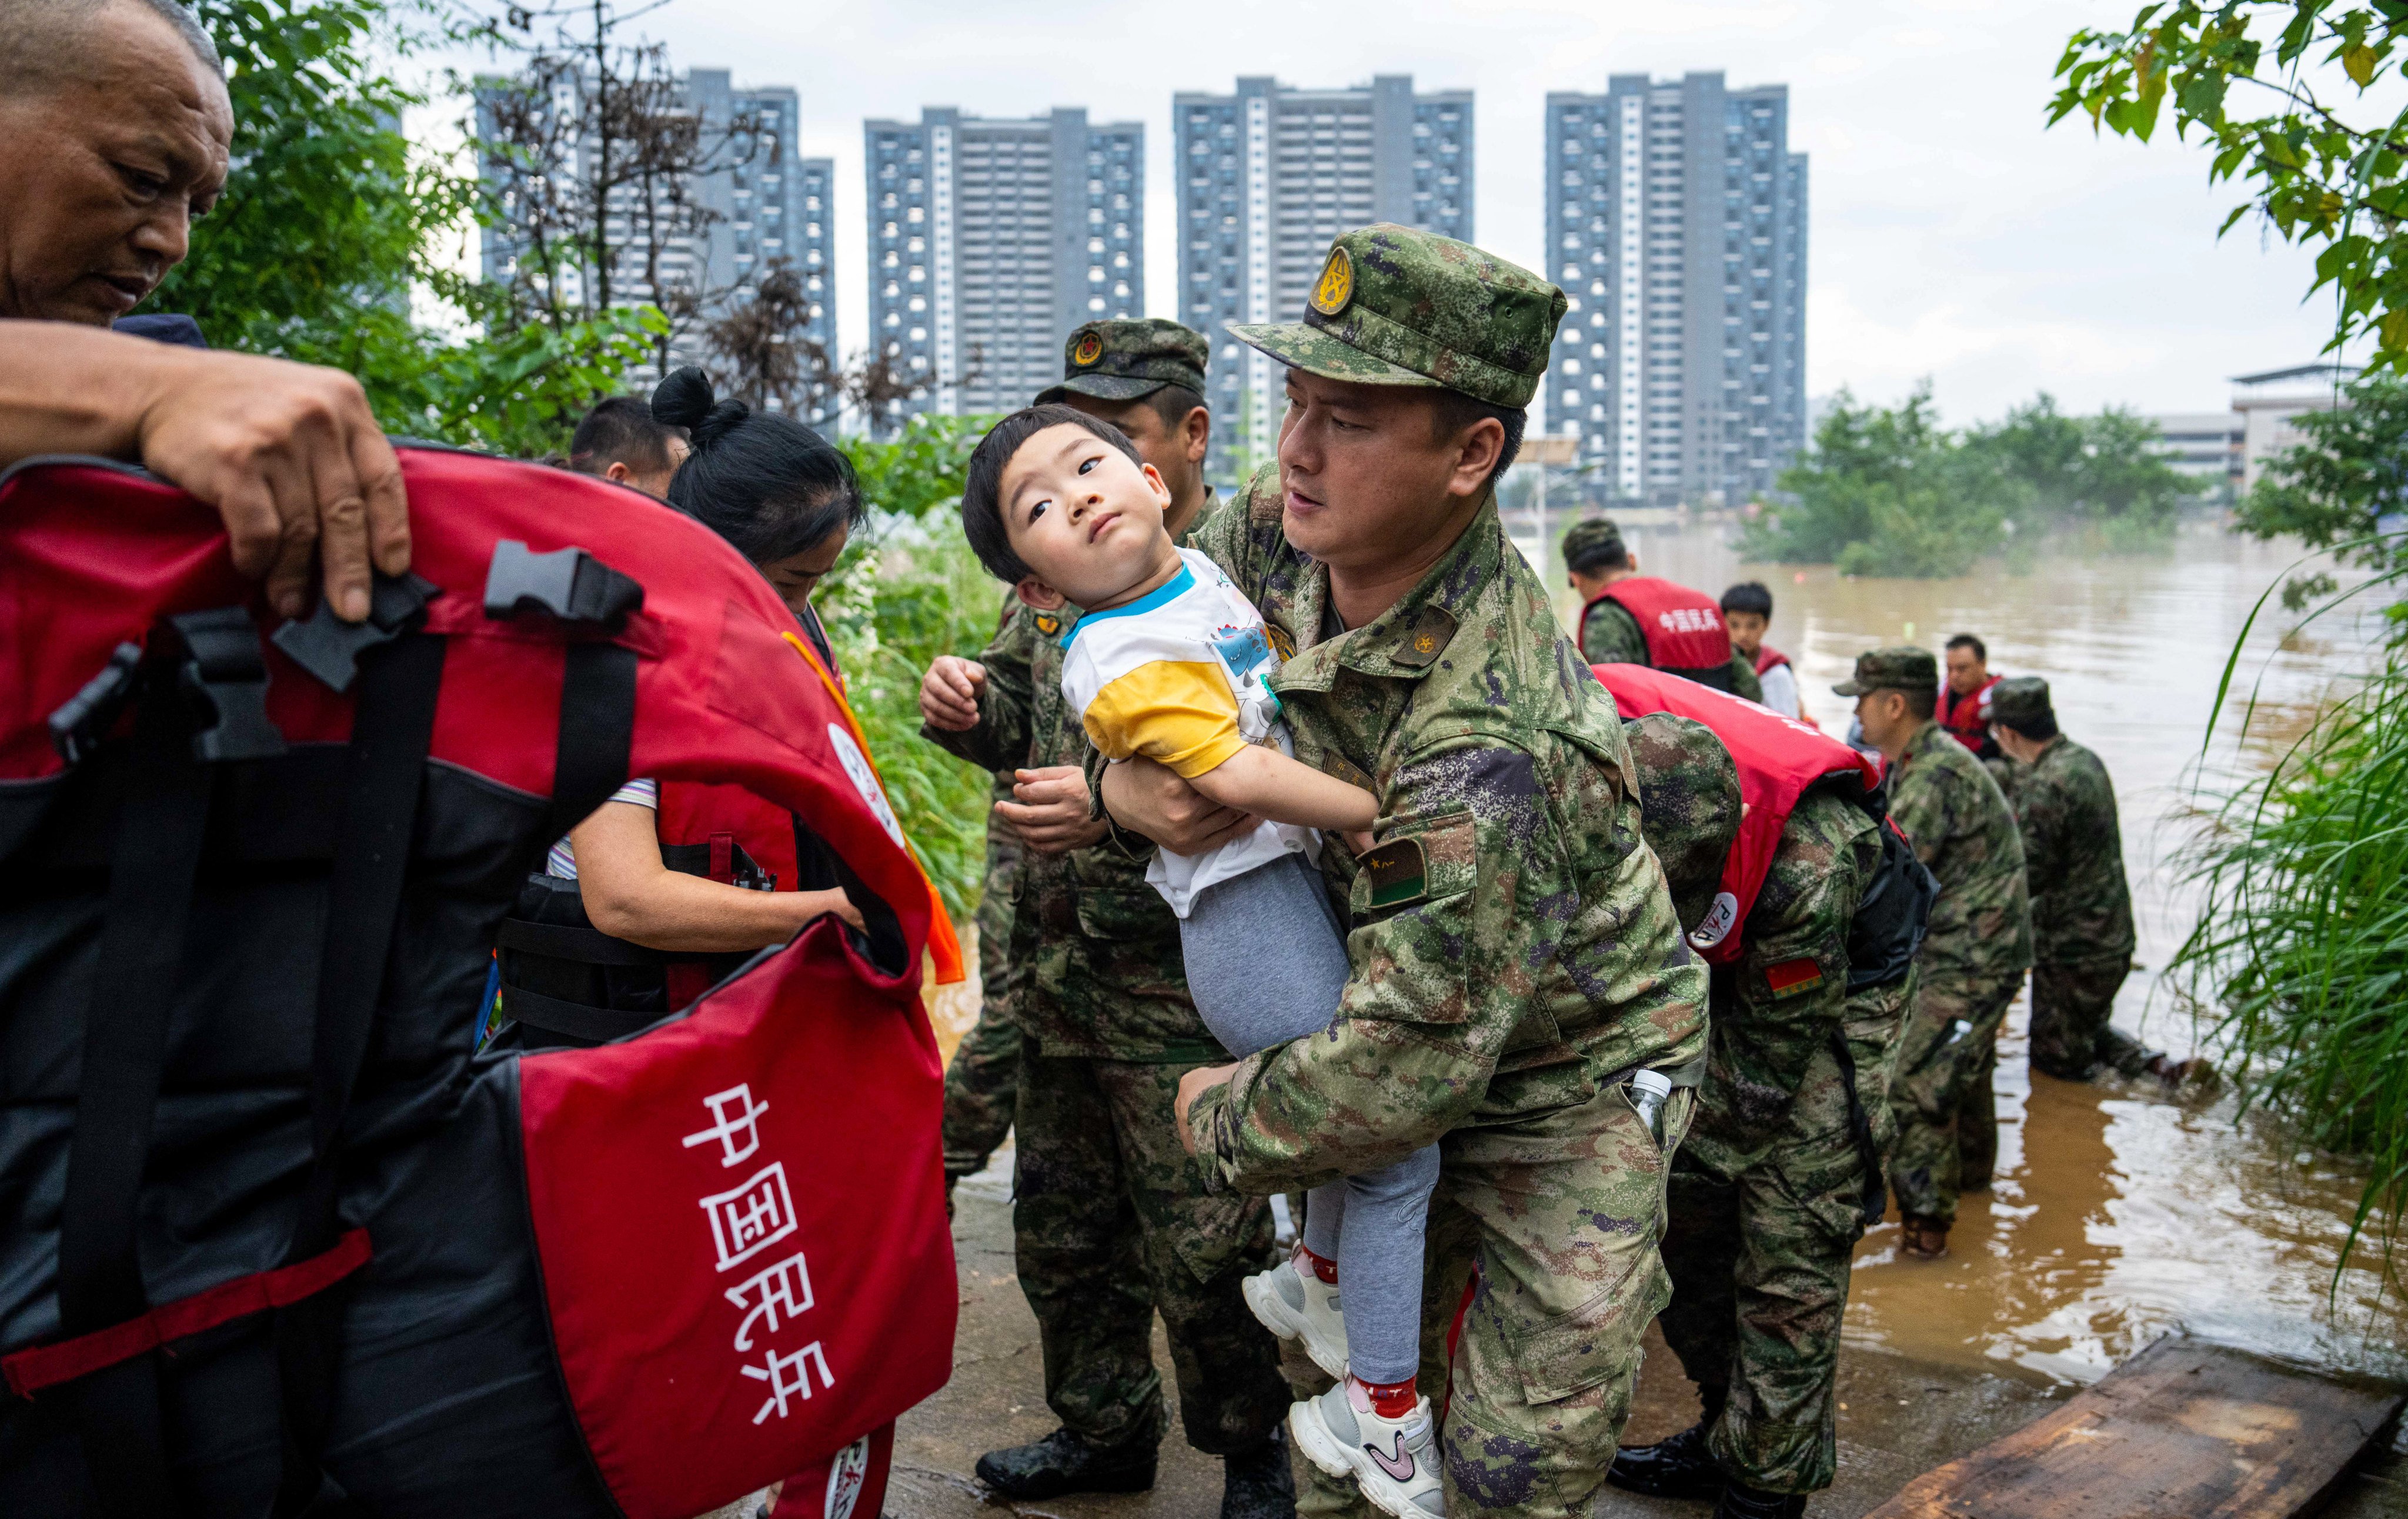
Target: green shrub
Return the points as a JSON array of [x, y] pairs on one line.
[[909, 591]]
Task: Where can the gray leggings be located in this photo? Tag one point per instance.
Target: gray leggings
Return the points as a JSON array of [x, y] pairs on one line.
[[1267, 963]]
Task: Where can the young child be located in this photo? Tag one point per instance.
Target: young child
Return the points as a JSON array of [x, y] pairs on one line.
[[1167, 660], [1747, 614]]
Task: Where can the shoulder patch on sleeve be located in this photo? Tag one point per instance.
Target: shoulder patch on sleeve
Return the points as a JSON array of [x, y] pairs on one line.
[[1793, 978], [1398, 871]]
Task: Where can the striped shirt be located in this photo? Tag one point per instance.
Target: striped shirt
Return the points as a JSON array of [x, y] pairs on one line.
[[561, 861]]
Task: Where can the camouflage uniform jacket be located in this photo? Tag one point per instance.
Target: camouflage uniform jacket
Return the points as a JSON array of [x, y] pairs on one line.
[[1765, 1037], [1961, 827], [1094, 950], [2073, 858], [1609, 635], [1512, 941]]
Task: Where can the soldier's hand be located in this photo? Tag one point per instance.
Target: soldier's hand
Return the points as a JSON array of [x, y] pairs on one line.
[[948, 693], [1149, 798], [1051, 813], [1194, 1084]]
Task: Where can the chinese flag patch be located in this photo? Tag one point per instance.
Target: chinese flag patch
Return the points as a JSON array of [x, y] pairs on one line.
[[1793, 978]]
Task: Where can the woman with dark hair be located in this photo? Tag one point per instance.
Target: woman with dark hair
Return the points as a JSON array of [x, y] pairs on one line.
[[783, 495], [693, 878]]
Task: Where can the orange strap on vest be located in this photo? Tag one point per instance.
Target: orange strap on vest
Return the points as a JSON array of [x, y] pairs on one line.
[[945, 945]]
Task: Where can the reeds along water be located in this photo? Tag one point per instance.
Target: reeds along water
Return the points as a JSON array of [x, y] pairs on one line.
[[2301, 947]]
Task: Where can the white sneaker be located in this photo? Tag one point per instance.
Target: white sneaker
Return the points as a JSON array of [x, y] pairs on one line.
[[1296, 1304], [1395, 1461]]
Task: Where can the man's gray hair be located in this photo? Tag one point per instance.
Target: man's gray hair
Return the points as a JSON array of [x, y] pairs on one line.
[[39, 38]]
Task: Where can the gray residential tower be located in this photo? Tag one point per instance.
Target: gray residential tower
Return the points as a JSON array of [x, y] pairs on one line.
[[1676, 223], [1266, 177], [990, 239], [765, 203]]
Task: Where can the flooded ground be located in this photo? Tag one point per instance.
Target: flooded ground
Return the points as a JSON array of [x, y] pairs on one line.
[[2117, 1214]]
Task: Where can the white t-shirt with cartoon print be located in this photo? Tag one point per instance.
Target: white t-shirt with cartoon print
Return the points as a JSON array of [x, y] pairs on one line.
[[1180, 675]]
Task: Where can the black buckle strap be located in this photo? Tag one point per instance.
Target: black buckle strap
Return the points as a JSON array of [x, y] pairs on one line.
[[385, 765], [577, 1020], [329, 648], [225, 676], [567, 585], [78, 727], [154, 865]]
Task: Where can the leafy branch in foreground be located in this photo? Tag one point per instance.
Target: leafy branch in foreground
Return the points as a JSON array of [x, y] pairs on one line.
[[2272, 86]]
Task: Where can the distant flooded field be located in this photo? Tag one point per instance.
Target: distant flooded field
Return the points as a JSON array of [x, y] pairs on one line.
[[2117, 1214]]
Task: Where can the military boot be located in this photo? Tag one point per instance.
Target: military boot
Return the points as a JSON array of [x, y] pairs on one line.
[[1257, 1484], [1064, 1462], [1677, 1465], [1922, 1239], [1740, 1501]]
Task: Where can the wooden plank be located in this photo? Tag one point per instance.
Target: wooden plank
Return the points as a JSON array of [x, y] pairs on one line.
[[2185, 1427]]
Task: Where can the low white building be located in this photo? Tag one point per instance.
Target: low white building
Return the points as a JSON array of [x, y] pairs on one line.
[[2205, 445], [2267, 403]]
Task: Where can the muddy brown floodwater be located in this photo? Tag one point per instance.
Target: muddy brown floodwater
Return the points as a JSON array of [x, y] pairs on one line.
[[2117, 1214]]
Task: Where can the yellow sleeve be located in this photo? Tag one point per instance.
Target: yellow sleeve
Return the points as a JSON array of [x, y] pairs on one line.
[[1180, 713]]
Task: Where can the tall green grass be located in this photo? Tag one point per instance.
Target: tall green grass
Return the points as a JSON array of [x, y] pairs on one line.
[[2301, 952], [906, 592]]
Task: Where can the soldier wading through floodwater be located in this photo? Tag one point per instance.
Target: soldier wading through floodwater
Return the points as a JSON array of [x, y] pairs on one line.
[[1517, 965]]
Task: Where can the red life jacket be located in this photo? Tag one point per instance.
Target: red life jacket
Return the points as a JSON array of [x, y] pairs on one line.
[[292, 844], [1967, 717], [1767, 657], [1684, 630], [1779, 761]]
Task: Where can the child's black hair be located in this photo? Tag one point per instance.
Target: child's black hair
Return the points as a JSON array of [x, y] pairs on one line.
[[1749, 596], [765, 482], [983, 510]]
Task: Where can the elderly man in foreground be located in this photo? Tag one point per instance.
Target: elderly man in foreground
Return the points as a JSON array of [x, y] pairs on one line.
[[118, 124]]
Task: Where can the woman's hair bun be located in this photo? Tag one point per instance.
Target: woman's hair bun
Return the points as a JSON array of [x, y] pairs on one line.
[[684, 400]]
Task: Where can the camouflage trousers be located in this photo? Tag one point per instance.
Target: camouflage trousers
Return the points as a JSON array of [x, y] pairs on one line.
[[1759, 1266], [1945, 1059], [2072, 1037], [1111, 1221], [982, 1087], [1977, 1126], [1554, 1222]]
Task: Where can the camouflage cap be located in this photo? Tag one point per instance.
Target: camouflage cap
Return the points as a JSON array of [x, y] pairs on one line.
[[1121, 361], [1398, 307], [1895, 669], [1592, 539], [2022, 703]]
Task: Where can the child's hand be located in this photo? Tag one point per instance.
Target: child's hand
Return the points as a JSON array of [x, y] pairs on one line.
[[1360, 843], [948, 693]]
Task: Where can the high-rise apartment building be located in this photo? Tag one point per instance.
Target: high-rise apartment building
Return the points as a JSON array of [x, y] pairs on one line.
[[1676, 223], [760, 202], [1266, 177], [990, 239]]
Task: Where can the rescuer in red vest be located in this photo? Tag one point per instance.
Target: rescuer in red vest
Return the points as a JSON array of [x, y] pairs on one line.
[[1964, 705], [670, 886], [1809, 907], [1626, 617]]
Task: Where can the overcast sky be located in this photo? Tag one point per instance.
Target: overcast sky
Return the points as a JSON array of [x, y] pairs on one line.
[[1951, 237]]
